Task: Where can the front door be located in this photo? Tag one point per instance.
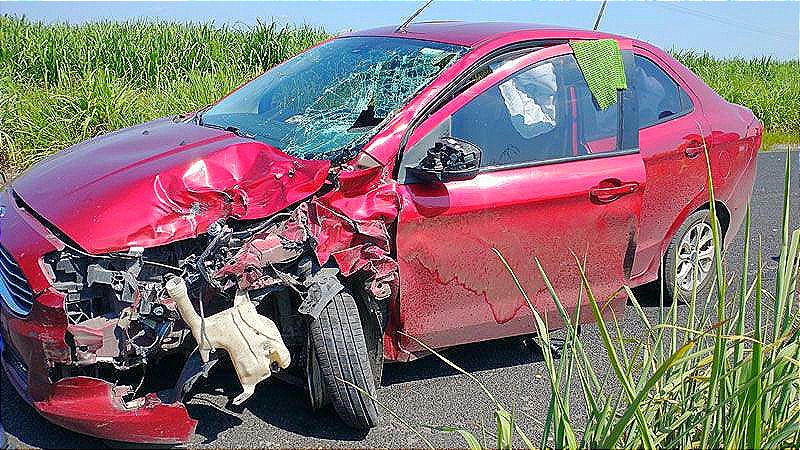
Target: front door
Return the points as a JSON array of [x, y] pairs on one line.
[[560, 179]]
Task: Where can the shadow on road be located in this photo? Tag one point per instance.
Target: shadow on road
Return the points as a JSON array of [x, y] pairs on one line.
[[477, 357], [284, 406], [275, 402]]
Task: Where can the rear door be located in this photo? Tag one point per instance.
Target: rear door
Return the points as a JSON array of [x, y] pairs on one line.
[[559, 179], [671, 144]]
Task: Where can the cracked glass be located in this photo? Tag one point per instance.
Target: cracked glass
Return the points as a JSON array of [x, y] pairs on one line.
[[325, 102]]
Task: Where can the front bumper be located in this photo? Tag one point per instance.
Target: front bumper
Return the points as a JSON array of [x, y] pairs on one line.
[[35, 344]]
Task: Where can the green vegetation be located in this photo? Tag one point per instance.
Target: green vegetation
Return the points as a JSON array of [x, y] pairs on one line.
[[771, 89], [61, 84]]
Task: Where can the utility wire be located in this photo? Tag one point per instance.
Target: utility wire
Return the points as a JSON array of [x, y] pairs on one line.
[[723, 20]]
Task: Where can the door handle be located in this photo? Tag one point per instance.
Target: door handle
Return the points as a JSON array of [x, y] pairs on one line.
[[694, 149], [607, 194]]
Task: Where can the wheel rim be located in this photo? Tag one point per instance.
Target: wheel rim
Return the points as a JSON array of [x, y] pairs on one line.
[[695, 256]]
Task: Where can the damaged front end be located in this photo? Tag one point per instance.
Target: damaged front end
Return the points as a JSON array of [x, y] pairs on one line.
[[165, 245], [143, 326]]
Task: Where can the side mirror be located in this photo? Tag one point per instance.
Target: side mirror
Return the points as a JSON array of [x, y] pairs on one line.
[[450, 159]]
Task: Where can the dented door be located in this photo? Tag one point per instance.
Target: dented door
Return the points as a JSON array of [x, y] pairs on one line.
[[584, 205]]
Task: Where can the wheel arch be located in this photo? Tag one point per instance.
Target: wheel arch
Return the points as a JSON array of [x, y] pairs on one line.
[[701, 202], [722, 212]]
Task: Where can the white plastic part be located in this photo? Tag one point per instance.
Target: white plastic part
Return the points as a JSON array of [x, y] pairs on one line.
[[252, 340], [529, 98]]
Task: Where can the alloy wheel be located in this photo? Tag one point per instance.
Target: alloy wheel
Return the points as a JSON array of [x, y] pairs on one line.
[[695, 256]]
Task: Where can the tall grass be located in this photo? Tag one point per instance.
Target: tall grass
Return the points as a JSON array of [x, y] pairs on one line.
[[61, 84], [712, 379], [770, 88], [144, 53]]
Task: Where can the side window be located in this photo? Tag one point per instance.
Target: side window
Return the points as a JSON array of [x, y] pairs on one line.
[[491, 67], [660, 97], [544, 112]]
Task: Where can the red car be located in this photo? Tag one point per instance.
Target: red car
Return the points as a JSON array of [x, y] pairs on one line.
[[311, 220]]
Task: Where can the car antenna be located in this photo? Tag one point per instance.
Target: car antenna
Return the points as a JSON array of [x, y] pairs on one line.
[[600, 15], [402, 28]]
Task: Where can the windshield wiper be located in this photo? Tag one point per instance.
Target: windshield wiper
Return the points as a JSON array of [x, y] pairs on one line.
[[238, 132], [231, 128], [198, 117]]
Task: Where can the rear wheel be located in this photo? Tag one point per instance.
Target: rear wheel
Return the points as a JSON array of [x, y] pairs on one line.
[[340, 353], [689, 259]]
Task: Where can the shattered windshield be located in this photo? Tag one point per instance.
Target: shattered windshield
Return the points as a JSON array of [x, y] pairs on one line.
[[321, 104]]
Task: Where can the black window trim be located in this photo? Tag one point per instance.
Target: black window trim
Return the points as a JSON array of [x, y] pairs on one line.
[[680, 86], [546, 162]]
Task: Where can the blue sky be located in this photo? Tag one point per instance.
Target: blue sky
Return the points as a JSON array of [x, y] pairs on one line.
[[722, 28]]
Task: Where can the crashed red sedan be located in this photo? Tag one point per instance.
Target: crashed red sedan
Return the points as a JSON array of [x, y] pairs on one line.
[[316, 217]]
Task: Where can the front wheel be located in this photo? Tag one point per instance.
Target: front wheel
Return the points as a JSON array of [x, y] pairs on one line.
[[689, 259], [340, 349]]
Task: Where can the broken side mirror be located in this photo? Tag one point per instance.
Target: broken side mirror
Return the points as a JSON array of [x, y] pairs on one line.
[[450, 159]]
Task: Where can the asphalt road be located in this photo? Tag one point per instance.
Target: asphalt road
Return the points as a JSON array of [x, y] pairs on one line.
[[424, 392]]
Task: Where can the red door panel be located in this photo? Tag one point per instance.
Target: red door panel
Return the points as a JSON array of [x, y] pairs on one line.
[[455, 290], [676, 171], [676, 167]]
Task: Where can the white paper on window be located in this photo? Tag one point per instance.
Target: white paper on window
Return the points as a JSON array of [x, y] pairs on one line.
[[530, 100]]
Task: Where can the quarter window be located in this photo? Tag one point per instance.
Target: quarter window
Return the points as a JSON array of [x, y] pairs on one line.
[[660, 97]]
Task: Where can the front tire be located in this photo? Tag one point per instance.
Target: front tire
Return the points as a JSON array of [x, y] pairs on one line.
[[337, 340], [689, 260]]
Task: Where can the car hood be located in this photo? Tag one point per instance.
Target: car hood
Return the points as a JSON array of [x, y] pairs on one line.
[[160, 182]]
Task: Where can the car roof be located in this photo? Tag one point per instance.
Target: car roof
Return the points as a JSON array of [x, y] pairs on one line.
[[471, 34]]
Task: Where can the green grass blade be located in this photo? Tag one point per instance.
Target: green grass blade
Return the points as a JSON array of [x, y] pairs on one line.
[[627, 416]]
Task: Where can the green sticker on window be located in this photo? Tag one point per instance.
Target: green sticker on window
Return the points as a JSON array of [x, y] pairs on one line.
[[600, 61]]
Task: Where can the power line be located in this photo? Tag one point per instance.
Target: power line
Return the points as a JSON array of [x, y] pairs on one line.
[[723, 20]]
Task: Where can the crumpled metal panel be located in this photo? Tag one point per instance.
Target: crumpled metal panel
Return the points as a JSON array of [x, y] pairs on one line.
[[244, 181], [349, 224], [161, 182]]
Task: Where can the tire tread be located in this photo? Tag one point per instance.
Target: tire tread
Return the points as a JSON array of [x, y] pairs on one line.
[[339, 341]]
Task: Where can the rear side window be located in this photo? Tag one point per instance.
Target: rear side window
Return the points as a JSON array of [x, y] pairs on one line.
[[544, 112], [660, 97]]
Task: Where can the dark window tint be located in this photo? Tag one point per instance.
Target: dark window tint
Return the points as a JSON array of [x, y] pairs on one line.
[[660, 97], [544, 112], [686, 102]]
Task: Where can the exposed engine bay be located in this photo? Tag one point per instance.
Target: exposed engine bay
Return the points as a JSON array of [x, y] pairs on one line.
[[247, 289]]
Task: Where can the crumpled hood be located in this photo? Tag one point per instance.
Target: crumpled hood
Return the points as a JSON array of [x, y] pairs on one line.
[[162, 181]]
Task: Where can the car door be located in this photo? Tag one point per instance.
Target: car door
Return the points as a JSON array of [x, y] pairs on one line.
[[672, 150], [559, 180]]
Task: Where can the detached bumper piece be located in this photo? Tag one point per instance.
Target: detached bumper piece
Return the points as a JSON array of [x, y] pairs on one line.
[[95, 407]]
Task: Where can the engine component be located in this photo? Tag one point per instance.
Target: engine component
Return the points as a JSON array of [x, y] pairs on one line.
[[253, 341]]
